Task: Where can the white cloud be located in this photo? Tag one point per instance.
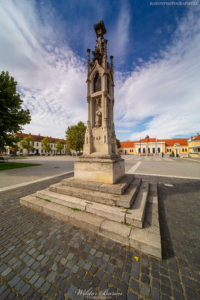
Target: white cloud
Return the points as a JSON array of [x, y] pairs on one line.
[[119, 34], [165, 90], [51, 79]]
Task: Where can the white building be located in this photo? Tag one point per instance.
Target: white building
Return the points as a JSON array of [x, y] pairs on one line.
[[37, 145]]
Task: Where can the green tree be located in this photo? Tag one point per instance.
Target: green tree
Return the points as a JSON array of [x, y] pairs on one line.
[[27, 143], [15, 146], [60, 145], [118, 143], [46, 144], [75, 136], [12, 117]]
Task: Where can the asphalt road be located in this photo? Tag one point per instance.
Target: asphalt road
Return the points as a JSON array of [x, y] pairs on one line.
[[51, 166]]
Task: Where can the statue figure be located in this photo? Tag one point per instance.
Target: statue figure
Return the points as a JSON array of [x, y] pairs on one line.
[[98, 118]]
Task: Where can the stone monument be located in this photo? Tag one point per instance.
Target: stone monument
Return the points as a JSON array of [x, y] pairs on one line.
[[101, 197], [100, 161]]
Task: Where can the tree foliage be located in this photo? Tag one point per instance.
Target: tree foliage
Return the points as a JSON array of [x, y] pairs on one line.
[[46, 144], [75, 136], [118, 143], [12, 116], [60, 145], [27, 143]]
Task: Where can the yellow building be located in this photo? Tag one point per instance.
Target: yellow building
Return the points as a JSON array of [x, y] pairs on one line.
[[153, 146], [194, 145]]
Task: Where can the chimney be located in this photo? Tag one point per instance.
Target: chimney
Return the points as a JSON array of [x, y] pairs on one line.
[[39, 134], [29, 133], [191, 137]]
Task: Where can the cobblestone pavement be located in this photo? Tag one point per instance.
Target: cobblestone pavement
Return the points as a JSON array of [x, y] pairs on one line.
[[44, 258]]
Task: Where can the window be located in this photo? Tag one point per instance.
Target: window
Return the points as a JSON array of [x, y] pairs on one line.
[[148, 150], [143, 150], [108, 86], [170, 150], [139, 150], [158, 150], [185, 149], [41, 151], [37, 144], [153, 150], [182, 149], [97, 83]]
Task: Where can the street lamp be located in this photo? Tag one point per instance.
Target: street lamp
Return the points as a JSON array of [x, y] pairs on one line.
[[147, 137]]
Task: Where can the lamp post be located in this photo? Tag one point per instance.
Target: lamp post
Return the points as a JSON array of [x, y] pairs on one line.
[[147, 137], [156, 146]]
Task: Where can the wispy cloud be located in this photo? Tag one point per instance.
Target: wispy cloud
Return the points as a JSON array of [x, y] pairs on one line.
[[51, 78], [166, 89], [119, 35]]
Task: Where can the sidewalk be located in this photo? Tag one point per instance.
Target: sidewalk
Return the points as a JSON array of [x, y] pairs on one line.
[[43, 258]]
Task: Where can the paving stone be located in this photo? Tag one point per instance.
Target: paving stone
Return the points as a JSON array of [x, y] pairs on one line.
[[25, 289], [134, 285], [132, 296], [19, 286], [14, 281], [155, 294], [135, 274], [6, 272], [39, 283], [34, 278], [52, 292], [72, 291]]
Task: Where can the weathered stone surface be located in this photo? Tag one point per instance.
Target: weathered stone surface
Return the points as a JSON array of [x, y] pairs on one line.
[[136, 214], [108, 212], [118, 188], [99, 170], [107, 220], [116, 231], [62, 199], [126, 200], [85, 220], [144, 241]]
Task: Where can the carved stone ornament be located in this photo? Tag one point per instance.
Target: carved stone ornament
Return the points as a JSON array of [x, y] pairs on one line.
[[98, 118]]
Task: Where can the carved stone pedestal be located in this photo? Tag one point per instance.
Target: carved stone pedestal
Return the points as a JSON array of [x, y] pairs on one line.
[[104, 170]]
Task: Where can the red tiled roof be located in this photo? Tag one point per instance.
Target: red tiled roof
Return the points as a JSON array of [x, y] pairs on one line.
[[170, 143], [127, 144], [37, 138], [197, 138]]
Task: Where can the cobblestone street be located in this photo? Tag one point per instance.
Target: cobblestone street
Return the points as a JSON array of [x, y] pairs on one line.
[[44, 258]]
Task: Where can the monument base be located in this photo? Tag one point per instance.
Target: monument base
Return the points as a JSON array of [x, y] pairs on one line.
[[100, 168]]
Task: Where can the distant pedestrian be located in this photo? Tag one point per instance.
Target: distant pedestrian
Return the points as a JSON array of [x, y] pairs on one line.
[[162, 154]]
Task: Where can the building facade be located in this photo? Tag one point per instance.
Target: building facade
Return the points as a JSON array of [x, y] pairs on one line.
[[37, 145], [152, 146]]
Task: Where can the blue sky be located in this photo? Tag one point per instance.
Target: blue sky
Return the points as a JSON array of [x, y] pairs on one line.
[[156, 52]]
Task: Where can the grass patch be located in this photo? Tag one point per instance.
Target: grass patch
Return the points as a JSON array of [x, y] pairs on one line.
[[128, 224], [17, 158], [75, 209], [43, 199], [13, 165], [4, 280]]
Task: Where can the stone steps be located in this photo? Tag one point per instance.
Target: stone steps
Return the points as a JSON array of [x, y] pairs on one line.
[[146, 239], [133, 216], [117, 188], [126, 200]]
